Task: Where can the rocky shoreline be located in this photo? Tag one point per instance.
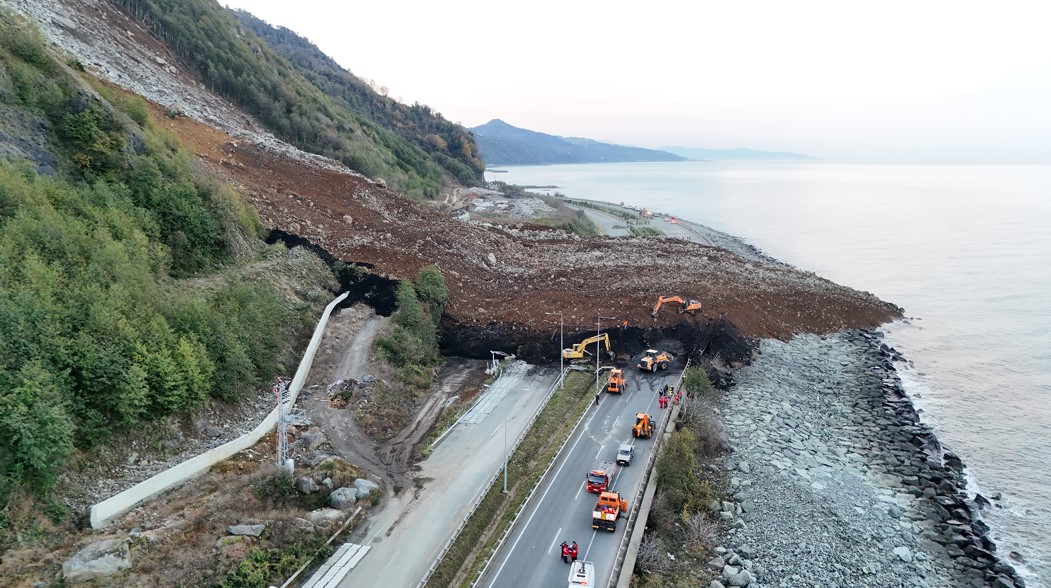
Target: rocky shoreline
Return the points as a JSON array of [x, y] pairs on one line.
[[835, 481]]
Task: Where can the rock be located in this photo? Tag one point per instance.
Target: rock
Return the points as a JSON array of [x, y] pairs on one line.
[[1003, 582], [982, 502], [250, 530], [746, 552], [743, 578], [491, 257], [904, 553], [747, 506], [212, 431], [312, 440], [327, 484], [744, 467], [98, 560], [713, 506], [303, 525], [343, 498], [716, 563], [365, 487], [730, 571], [324, 517], [306, 485], [716, 584]]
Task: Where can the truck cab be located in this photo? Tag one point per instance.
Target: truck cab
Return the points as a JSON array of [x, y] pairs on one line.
[[599, 478]]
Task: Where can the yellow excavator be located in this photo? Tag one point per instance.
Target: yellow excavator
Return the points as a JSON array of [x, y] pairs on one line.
[[578, 350], [687, 305]]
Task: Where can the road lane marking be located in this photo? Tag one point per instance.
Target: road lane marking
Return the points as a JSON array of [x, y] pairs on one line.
[[540, 501], [582, 486], [557, 533]]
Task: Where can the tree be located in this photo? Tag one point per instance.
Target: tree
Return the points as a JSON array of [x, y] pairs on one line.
[[36, 431]]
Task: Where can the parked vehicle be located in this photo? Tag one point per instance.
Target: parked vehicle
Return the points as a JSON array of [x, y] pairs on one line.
[[599, 478], [608, 509], [625, 453], [582, 573]]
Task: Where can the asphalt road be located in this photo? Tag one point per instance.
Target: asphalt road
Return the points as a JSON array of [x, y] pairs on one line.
[[410, 531], [615, 226], [561, 508]]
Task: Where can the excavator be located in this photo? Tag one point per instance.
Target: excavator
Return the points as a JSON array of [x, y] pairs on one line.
[[643, 427], [578, 350], [688, 305]]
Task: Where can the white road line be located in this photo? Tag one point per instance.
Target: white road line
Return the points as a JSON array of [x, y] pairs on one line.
[[582, 486], [540, 501], [557, 533]]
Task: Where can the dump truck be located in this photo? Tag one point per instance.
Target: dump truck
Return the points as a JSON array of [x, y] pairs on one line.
[[643, 427], [599, 478], [616, 381], [607, 510], [652, 360]]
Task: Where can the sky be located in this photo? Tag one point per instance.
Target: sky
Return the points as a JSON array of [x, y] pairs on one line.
[[889, 81]]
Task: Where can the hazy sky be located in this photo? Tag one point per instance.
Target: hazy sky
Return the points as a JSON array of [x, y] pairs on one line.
[[884, 81]]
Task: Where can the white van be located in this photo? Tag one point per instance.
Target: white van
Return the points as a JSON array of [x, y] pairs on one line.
[[581, 573]]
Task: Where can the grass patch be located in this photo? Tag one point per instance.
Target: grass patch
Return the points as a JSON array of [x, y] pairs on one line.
[[637, 231], [525, 467]]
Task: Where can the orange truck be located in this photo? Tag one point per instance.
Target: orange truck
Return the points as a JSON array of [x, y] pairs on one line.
[[616, 381], [608, 509], [599, 478]]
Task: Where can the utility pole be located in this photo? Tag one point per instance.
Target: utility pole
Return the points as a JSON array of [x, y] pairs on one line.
[[598, 355], [561, 347]]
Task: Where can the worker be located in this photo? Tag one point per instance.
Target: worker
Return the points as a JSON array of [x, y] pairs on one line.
[[573, 551], [565, 552]]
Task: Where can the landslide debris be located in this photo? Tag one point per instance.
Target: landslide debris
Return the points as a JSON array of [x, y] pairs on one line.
[[501, 280]]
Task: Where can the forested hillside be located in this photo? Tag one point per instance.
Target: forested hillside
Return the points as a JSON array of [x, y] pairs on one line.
[[450, 145], [504, 144], [115, 308], [321, 113]]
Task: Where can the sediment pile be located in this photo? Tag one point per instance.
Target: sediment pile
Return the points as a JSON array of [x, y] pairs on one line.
[[836, 482]]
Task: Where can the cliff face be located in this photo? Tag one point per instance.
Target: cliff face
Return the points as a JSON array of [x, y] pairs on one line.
[[501, 281]]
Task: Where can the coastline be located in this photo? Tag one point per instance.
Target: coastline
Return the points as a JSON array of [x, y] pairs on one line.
[[835, 480], [876, 499]]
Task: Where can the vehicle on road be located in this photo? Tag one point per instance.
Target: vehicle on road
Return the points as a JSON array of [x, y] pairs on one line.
[[652, 360], [643, 427], [616, 381], [608, 509], [624, 454], [582, 573], [579, 350], [599, 478]]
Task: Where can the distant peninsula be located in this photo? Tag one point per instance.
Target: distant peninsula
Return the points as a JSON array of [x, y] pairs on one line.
[[504, 144]]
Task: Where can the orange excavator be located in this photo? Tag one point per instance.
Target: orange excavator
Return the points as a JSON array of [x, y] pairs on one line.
[[687, 305]]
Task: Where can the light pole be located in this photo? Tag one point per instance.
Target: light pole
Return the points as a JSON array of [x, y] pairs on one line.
[[561, 347], [503, 401], [598, 345]]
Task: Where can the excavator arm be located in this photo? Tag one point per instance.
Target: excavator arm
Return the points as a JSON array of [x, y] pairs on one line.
[[662, 299]]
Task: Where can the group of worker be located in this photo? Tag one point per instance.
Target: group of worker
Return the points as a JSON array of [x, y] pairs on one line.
[[569, 552], [667, 394]]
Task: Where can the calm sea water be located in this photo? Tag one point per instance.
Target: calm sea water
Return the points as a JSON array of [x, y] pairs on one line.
[[965, 249]]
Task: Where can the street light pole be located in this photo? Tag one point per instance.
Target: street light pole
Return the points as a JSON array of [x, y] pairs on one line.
[[598, 345], [503, 401], [561, 347]]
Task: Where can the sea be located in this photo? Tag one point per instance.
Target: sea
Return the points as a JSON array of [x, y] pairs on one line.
[[964, 249]]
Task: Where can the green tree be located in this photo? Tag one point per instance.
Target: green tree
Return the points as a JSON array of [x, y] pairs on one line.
[[36, 432]]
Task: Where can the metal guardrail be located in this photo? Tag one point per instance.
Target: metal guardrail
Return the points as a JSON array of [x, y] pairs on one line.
[[622, 549], [480, 495]]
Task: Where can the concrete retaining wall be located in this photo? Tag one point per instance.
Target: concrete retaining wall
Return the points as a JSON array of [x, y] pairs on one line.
[[105, 511]]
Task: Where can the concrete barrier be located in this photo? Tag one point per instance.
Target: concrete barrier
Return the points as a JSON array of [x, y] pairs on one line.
[[105, 511]]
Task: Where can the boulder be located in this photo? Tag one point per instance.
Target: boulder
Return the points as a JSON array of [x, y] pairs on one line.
[[904, 553], [312, 440], [303, 525], [981, 502], [98, 560], [364, 487], [343, 498], [324, 517], [306, 485], [249, 530], [743, 578]]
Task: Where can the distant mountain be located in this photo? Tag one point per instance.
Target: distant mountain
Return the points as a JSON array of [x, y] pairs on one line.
[[696, 153], [504, 144]]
